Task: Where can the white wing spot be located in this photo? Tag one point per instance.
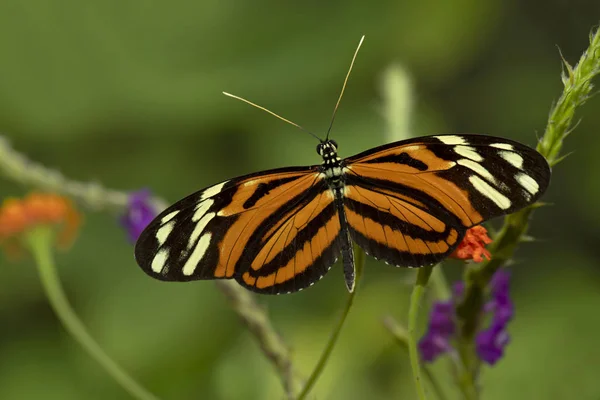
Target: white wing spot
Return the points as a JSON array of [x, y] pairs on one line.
[[451, 139], [512, 158], [503, 146], [485, 189], [169, 217], [199, 229], [212, 191], [163, 233], [201, 209], [478, 168], [159, 260], [190, 265], [528, 183], [468, 152]]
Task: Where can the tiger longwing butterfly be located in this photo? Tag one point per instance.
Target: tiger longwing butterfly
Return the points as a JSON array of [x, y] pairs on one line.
[[408, 203]]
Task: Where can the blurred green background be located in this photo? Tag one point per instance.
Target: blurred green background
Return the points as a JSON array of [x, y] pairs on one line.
[[128, 93]]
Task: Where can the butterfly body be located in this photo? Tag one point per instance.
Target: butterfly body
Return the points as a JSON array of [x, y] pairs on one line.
[[407, 203]]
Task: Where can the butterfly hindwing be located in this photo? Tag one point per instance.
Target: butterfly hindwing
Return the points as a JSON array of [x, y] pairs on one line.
[[396, 228], [275, 231], [295, 245]]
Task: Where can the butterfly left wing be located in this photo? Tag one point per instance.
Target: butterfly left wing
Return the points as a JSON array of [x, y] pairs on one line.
[[275, 231], [410, 203]]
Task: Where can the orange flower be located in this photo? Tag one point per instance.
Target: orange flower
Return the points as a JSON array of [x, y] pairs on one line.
[[473, 244], [18, 216]]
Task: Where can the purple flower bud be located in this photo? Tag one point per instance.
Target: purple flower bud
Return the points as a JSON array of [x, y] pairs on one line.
[[441, 318], [500, 283], [433, 345], [458, 289], [500, 304], [441, 328], [138, 214], [490, 343]]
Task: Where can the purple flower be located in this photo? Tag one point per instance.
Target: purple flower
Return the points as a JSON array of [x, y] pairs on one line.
[[433, 345], [441, 328], [458, 289], [489, 342], [138, 214]]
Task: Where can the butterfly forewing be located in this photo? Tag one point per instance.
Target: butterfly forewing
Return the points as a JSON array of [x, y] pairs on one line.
[[275, 231]]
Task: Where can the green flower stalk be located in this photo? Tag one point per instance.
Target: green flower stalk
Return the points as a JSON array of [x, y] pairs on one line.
[[578, 87], [415, 300], [316, 373]]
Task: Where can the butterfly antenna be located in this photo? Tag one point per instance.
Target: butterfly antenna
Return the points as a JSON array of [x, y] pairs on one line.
[[273, 114], [344, 87]]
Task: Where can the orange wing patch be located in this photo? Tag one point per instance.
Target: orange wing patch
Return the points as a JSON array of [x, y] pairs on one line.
[[286, 230], [309, 244], [259, 208]]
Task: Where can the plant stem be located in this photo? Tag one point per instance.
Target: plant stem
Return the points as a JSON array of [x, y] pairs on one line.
[[438, 285], [271, 343], [40, 240], [400, 335], [423, 275], [312, 379]]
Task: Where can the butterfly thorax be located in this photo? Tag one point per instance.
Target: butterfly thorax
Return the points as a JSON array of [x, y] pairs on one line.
[[332, 164]]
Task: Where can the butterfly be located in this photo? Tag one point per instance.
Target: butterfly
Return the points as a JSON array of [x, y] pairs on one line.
[[408, 203]]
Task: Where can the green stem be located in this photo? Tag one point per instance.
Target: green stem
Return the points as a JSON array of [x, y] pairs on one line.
[[40, 241], [438, 285], [401, 337], [312, 379], [466, 369], [578, 85], [423, 275]]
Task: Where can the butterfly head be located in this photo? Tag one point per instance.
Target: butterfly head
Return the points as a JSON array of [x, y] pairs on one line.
[[328, 150]]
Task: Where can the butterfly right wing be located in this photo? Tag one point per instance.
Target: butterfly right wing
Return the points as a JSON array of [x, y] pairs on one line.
[[410, 203], [275, 231]]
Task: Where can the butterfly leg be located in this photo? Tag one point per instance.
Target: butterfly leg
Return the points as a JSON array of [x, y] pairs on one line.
[[346, 242]]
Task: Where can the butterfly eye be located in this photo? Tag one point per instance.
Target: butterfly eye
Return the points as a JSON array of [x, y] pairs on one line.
[[320, 149], [334, 144]]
